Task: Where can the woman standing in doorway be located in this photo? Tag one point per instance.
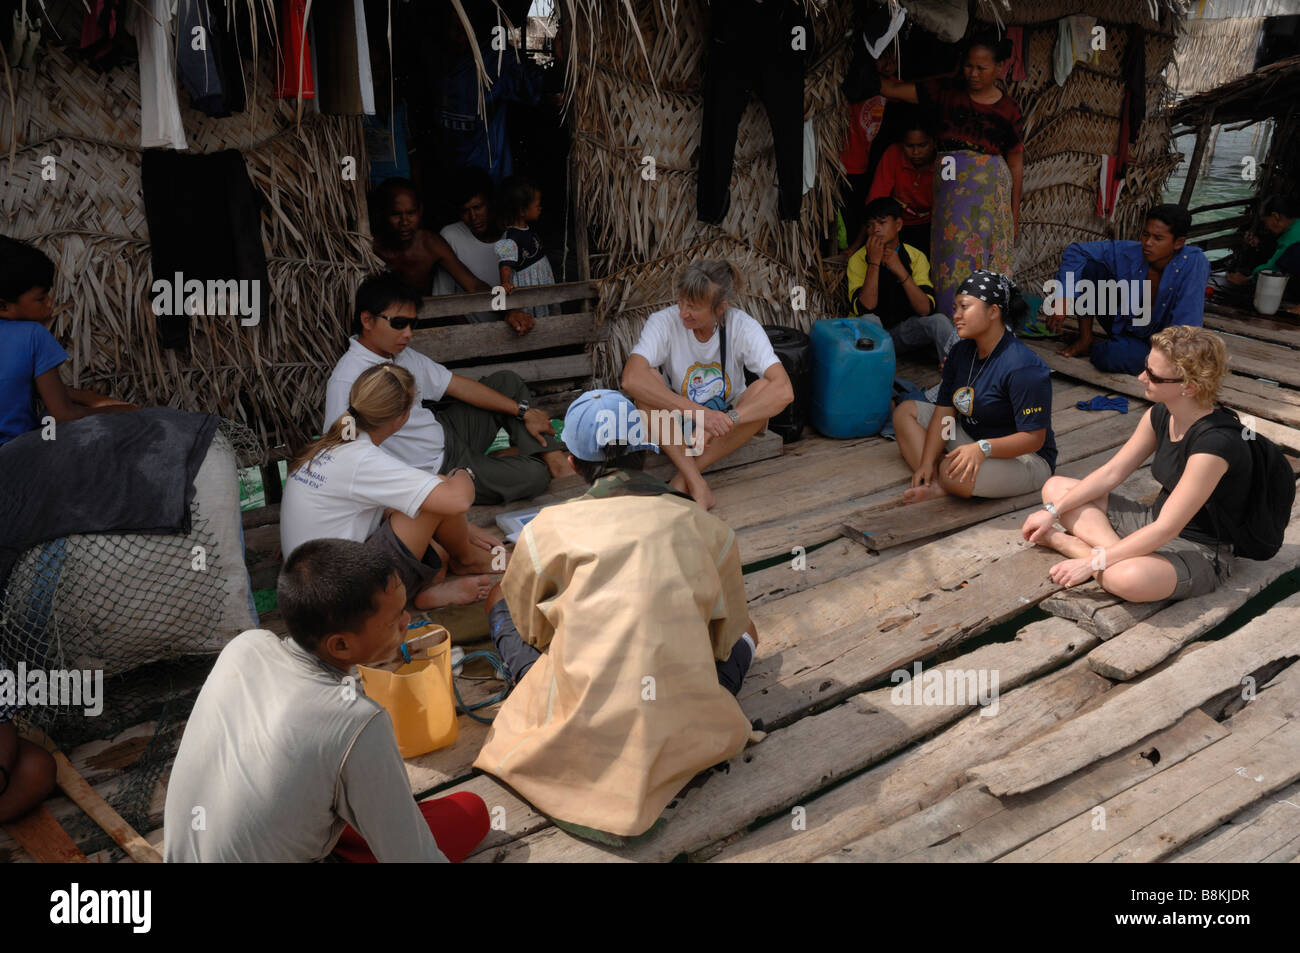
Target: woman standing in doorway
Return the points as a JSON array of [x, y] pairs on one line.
[[979, 168]]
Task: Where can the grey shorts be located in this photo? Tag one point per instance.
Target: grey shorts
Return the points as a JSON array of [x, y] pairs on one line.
[[1192, 561], [415, 574], [998, 478]]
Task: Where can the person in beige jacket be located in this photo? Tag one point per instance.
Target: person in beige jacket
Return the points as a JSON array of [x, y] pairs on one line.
[[622, 619]]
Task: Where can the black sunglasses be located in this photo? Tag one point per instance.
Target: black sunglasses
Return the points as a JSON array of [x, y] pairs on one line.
[[1155, 378], [399, 323]]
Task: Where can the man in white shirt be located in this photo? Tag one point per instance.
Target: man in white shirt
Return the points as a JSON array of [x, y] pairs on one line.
[[460, 434], [283, 750], [678, 364], [473, 239]]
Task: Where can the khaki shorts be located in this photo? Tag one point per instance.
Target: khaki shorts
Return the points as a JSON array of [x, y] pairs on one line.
[[1192, 561], [997, 478]]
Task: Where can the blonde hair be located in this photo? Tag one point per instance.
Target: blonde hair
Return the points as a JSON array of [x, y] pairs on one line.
[[379, 396], [714, 281], [1198, 354]]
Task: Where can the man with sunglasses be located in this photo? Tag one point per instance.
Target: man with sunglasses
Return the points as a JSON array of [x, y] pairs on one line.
[[459, 435]]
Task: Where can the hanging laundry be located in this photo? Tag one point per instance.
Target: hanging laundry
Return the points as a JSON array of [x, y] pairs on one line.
[[880, 28], [343, 56], [750, 51], [196, 57], [475, 143], [205, 223], [809, 156], [1073, 43], [26, 36], [1132, 113], [226, 50], [151, 23], [102, 35], [295, 53], [386, 147], [1014, 68]]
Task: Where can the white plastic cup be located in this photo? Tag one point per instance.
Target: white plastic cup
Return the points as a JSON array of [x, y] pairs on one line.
[[1269, 286]]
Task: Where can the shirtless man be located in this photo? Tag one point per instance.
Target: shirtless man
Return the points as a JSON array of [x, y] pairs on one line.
[[413, 252]]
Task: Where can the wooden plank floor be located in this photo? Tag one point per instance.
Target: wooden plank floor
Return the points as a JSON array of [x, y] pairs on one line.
[[843, 765]]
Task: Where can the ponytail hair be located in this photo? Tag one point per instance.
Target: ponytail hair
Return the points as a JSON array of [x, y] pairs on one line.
[[713, 281], [1016, 314], [380, 395]]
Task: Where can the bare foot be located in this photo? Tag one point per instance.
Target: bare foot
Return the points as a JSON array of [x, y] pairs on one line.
[[476, 561], [1066, 544], [929, 491], [458, 591], [1079, 348]]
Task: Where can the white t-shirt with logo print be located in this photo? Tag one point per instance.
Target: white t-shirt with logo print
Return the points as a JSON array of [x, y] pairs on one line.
[[692, 367], [344, 492]]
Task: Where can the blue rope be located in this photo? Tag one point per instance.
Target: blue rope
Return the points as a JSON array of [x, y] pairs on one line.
[[499, 667]]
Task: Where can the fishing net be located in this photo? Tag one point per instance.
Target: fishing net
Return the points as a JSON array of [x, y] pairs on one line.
[[104, 632]]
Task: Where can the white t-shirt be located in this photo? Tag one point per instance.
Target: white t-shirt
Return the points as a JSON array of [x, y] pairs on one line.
[[420, 442], [692, 367], [479, 257], [344, 491], [281, 752]]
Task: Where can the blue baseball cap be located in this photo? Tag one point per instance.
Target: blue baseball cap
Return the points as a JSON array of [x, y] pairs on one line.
[[600, 419]]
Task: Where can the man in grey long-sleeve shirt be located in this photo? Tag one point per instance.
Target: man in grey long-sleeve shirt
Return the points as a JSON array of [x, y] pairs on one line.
[[283, 748]]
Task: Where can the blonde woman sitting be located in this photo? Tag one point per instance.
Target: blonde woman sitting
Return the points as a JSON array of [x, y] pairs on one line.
[[345, 486], [1179, 546]]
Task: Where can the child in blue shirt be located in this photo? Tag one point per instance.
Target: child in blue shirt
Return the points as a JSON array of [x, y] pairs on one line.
[[29, 354]]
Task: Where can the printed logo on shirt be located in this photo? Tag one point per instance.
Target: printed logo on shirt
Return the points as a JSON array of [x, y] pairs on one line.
[[703, 382], [1032, 410]]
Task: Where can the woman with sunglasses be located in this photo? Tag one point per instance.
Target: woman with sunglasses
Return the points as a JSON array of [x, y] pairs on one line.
[[1177, 547]]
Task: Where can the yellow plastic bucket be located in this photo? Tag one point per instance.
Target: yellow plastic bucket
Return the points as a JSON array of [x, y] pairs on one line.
[[417, 694]]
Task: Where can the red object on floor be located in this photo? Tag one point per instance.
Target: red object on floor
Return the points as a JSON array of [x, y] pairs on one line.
[[459, 822]]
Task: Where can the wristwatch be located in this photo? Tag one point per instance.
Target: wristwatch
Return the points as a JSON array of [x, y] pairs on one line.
[[1051, 508], [523, 409], [472, 477], [986, 447], [734, 415]]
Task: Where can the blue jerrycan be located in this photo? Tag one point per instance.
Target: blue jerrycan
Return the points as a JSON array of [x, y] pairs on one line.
[[852, 377]]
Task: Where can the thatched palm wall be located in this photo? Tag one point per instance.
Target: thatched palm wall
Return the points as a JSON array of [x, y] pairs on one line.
[[646, 229], [91, 221]]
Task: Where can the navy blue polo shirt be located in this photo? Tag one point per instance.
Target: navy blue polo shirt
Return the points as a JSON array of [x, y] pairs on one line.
[[1013, 391]]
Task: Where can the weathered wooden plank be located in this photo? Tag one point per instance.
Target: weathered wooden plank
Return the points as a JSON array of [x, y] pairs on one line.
[[43, 838], [1146, 644], [1082, 369], [537, 369], [1151, 820], [1260, 328], [921, 776], [1268, 832], [974, 826], [444, 306], [1099, 611], [835, 559], [891, 524], [460, 342], [815, 751], [1151, 705]]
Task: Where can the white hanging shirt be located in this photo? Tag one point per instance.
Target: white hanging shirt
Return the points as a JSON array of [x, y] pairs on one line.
[[160, 110]]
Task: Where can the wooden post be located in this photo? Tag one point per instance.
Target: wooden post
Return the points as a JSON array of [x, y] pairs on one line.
[[1194, 166]]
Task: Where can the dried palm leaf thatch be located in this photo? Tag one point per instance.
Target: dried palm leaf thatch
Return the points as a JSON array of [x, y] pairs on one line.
[[1147, 13], [90, 220], [630, 295], [1078, 130], [1210, 53]]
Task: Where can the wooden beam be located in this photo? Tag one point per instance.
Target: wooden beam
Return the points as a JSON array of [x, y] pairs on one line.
[[540, 369], [444, 306], [1264, 833], [1194, 164], [1214, 207], [44, 838], [459, 342], [1221, 225], [102, 813], [1148, 706]]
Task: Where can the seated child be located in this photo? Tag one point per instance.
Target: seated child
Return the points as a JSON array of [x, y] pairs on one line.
[[993, 412], [344, 485], [283, 750], [523, 263], [29, 354]]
